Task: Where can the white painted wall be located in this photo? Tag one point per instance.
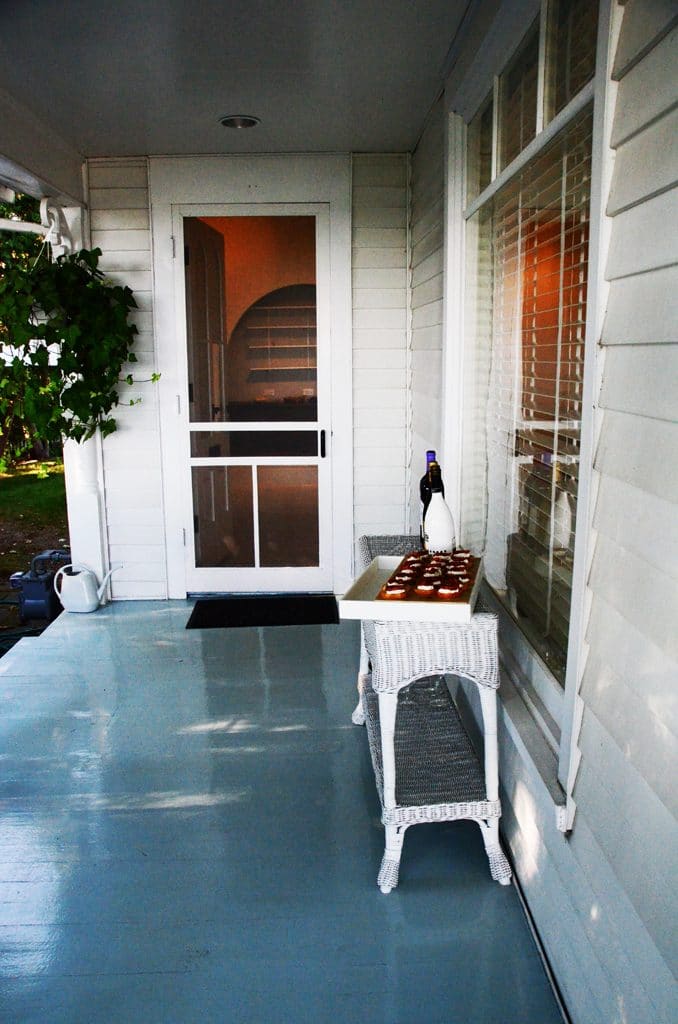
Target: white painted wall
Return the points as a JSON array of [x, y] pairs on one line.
[[380, 333], [379, 235], [131, 457], [134, 522], [427, 290], [120, 226], [603, 897], [131, 476], [629, 740]]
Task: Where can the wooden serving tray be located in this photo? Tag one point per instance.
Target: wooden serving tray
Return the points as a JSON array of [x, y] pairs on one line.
[[361, 600]]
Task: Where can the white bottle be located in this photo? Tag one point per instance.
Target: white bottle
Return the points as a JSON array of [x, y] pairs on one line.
[[562, 521], [439, 532]]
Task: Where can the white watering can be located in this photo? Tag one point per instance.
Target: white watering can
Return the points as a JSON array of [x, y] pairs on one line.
[[77, 589]]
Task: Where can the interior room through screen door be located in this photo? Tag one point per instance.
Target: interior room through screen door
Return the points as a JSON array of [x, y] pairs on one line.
[[258, 486]]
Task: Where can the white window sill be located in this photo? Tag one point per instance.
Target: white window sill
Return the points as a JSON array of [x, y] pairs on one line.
[[543, 694], [535, 752]]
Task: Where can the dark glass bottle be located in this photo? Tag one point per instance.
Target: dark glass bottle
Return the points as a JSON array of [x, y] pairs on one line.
[[435, 479], [425, 489]]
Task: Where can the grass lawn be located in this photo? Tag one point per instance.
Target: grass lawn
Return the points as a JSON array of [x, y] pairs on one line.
[[32, 519]]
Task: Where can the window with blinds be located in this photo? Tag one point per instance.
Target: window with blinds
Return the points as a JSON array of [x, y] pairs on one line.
[[572, 27], [479, 150], [526, 303], [518, 93]]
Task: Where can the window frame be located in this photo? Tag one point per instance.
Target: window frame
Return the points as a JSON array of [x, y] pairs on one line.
[[519, 184], [556, 708]]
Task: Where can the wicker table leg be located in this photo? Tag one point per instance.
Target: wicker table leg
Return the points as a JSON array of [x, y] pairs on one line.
[[387, 878], [499, 866], [358, 716]]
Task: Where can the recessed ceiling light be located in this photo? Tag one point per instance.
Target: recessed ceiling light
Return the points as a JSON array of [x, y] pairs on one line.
[[239, 121]]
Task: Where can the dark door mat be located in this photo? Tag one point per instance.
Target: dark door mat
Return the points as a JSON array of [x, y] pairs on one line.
[[272, 610]]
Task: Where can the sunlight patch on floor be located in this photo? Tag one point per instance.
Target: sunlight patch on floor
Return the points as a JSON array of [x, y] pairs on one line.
[[171, 800], [229, 725], [526, 813]]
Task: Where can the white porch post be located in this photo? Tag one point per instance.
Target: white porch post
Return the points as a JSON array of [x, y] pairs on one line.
[[84, 497], [83, 473]]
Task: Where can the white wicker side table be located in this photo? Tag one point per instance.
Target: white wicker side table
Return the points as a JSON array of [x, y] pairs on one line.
[[424, 764]]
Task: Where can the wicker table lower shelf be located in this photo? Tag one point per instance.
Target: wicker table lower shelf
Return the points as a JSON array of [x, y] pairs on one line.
[[439, 776], [436, 763]]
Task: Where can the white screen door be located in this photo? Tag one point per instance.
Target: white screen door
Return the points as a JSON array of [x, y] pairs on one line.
[[255, 408]]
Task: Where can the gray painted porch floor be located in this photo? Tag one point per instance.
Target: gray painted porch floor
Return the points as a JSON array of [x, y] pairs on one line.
[[189, 832]]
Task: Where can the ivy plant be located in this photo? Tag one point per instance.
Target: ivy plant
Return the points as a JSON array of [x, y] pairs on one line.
[[65, 339]]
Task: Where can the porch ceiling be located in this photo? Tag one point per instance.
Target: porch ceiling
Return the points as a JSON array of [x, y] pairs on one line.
[[136, 78]]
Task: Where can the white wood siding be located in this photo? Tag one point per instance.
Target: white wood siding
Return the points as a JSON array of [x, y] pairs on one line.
[[380, 330], [119, 224], [603, 898], [427, 289], [629, 740]]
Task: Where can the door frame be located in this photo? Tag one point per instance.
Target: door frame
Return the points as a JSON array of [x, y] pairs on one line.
[[271, 579], [252, 181]]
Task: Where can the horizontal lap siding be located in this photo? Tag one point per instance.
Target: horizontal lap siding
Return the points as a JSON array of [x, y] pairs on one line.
[[648, 90], [427, 286], [596, 946], [120, 227], [626, 827], [379, 279], [604, 897], [643, 309]]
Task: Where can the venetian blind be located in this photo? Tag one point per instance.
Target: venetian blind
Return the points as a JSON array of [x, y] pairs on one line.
[[527, 296]]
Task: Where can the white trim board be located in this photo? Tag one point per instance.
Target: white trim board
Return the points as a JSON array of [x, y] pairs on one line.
[[255, 181]]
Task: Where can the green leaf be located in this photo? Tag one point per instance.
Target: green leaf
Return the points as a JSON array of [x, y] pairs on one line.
[[68, 327]]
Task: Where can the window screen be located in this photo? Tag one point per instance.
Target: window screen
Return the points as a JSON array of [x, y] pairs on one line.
[[526, 303]]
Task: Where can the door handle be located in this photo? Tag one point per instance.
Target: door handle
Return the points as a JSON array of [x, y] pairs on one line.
[[322, 444]]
